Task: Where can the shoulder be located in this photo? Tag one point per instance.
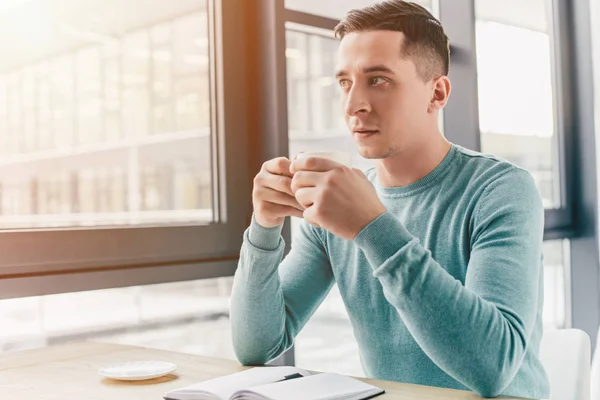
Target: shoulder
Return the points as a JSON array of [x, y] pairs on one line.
[[510, 201], [495, 175], [505, 196]]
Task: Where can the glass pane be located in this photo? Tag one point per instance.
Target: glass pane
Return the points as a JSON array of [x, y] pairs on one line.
[[338, 8], [316, 118], [515, 78], [3, 115], [89, 96], [556, 268], [104, 117], [189, 317], [162, 80], [316, 122]]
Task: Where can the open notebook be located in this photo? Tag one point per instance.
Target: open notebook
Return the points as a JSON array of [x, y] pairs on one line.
[[277, 383]]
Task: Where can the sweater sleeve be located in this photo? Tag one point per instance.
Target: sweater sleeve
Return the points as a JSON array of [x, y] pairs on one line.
[[477, 333], [273, 299]]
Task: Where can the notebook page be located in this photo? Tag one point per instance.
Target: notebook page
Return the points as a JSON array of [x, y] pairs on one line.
[[223, 387], [326, 386]]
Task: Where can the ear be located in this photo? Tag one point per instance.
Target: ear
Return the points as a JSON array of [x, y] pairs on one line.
[[439, 94]]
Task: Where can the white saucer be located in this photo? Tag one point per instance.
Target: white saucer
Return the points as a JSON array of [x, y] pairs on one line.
[[138, 370]]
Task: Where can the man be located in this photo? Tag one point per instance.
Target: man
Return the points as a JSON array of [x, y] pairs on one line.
[[437, 251]]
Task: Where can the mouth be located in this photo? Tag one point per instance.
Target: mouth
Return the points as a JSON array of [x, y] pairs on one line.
[[364, 133]]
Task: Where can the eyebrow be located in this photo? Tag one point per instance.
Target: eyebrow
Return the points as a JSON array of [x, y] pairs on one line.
[[367, 70]]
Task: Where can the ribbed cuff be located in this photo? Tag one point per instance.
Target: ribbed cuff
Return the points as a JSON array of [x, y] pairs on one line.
[[267, 239], [382, 238]]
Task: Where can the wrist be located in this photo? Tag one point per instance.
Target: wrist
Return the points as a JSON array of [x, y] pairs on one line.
[[368, 220], [382, 238], [266, 224], [262, 237]]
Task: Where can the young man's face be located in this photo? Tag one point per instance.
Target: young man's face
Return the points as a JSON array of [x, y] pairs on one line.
[[387, 105]]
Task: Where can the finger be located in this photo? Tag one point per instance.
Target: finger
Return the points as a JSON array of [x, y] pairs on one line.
[[316, 164], [306, 196], [283, 211], [278, 182], [275, 197], [278, 166], [309, 216], [305, 179]]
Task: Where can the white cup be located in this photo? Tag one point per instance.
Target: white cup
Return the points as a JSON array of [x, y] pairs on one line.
[[339, 157]]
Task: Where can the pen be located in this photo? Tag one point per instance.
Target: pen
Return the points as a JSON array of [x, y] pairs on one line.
[[292, 376]]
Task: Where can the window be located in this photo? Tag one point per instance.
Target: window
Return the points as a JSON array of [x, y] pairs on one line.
[[317, 349], [190, 317], [514, 66], [122, 135], [516, 99], [111, 127], [122, 138], [126, 138], [556, 283], [519, 117], [316, 119]]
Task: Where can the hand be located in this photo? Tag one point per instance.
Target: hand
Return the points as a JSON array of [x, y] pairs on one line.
[[272, 194], [335, 197]]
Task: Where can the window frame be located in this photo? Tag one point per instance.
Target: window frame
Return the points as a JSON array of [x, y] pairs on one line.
[[46, 261], [577, 218], [461, 119]]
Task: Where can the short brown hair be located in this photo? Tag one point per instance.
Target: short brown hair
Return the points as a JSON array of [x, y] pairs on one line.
[[425, 41]]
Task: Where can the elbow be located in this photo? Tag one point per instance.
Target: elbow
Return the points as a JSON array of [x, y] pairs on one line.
[[254, 352], [495, 374], [248, 359], [249, 352], [493, 382], [491, 389]]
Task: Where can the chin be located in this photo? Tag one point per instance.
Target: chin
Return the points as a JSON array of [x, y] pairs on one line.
[[375, 153]]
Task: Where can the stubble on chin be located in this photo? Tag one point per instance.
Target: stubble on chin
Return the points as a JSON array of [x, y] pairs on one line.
[[380, 155]]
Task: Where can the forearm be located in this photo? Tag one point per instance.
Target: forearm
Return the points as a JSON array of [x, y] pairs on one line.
[[257, 302], [478, 342], [273, 299]]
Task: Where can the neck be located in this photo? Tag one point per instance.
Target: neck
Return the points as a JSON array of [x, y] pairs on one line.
[[414, 163]]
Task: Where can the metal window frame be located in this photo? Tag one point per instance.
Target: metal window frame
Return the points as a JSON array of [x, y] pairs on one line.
[[582, 169], [270, 31], [461, 118], [316, 21], [39, 262]]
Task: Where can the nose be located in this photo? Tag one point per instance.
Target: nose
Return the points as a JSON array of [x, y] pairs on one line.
[[356, 102]]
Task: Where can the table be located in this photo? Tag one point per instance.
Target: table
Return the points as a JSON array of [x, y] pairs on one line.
[[69, 372]]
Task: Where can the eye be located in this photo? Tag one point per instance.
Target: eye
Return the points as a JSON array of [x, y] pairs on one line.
[[344, 83], [378, 80]]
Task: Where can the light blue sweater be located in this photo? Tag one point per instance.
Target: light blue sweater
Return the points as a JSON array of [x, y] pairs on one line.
[[444, 289]]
